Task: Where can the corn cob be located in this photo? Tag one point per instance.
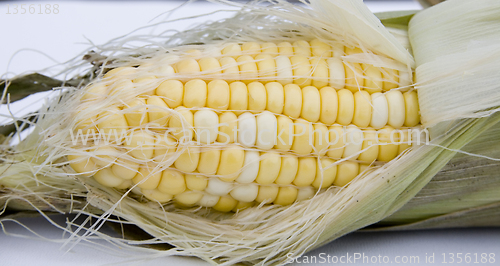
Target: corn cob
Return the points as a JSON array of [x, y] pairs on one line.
[[259, 123]]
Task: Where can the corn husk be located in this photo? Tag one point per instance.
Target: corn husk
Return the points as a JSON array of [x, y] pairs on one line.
[[266, 234], [465, 193]]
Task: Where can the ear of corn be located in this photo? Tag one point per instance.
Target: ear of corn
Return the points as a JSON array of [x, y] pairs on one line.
[[287, 197], [282, 125]]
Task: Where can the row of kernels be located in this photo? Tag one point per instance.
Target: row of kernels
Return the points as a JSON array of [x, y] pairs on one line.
[[226, 203], [272, 167], [313, 48], [325, 105], [264, 131], [242, 195], [233, 164], [300, 70]]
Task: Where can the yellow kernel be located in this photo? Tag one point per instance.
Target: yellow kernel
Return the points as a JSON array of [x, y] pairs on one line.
[[147, 178], [172, 92], [172, 182], [218, 94], [195, 94]]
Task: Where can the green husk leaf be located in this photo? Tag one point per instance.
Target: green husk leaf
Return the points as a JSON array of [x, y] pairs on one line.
[[479, 216], [396, 19], [23, 86]]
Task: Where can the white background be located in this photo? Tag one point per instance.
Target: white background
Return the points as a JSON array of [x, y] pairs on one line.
[[64, 35]]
